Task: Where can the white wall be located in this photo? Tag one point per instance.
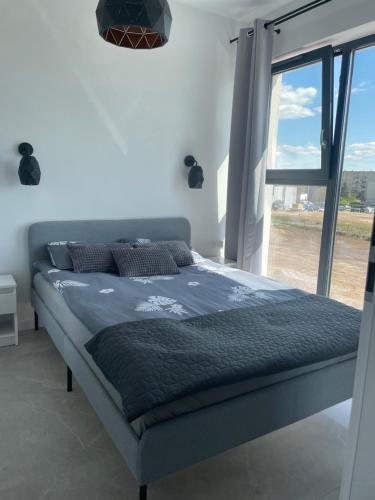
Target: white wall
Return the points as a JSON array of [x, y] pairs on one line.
[[358, 478], [110, 126]]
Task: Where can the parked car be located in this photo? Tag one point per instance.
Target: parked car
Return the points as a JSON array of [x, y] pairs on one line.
[[278, 205], [369, 210]]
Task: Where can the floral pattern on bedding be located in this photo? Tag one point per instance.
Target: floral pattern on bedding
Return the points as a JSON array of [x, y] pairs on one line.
[[100, 300]]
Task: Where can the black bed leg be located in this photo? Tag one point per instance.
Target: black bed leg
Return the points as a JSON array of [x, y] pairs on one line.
[[36, 321], [69, 383], [143, 493]]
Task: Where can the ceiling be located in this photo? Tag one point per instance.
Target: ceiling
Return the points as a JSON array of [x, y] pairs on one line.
[[241, 10]]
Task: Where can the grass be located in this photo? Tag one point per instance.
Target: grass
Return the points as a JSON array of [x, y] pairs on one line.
[[353, 225]]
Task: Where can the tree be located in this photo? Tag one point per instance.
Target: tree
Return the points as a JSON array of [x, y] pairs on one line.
[[344, 190], [349, 199]]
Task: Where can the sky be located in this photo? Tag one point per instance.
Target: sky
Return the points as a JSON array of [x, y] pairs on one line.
[[299, 127]]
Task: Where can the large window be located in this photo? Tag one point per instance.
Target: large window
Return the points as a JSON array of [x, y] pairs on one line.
[[297, 107], [321, 170], [295, 235], [300, 121], [357, 192]]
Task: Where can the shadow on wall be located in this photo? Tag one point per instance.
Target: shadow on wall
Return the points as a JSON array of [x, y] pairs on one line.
[[221, 136], [92, 96]]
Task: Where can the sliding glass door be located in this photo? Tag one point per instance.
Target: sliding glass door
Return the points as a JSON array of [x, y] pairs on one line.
[[321, 171], [295, 235], [357, 189], [298, 166]]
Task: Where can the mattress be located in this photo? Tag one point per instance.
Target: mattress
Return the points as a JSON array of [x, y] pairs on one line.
[[79, 335]]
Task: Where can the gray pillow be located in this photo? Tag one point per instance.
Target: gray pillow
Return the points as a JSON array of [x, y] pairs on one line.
[[134, 242], [134, 262], [94, 258], [59, 254], [178, 249]]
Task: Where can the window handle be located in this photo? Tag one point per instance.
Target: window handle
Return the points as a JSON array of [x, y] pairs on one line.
[[323, 141]]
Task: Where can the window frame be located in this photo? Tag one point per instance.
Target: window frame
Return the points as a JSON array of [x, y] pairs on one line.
[[347, 51], [320, 176], [332, 168]]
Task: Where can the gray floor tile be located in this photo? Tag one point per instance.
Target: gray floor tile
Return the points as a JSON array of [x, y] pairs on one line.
[[54, 447]]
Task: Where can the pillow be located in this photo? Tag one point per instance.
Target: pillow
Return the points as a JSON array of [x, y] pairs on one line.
[[143, 240], [178, 249], [134, 242], [59, 254], [94, 258], [144, 261]]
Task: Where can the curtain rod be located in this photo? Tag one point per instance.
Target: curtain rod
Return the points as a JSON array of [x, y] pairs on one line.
[[286, 17]]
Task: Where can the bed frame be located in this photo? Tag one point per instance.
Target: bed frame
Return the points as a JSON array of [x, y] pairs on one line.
[[185, 440]]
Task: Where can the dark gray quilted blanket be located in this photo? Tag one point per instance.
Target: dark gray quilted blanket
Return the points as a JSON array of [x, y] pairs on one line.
[[156, 361]]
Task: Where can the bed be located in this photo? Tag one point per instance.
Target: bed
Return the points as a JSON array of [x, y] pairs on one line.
[[178, 433]]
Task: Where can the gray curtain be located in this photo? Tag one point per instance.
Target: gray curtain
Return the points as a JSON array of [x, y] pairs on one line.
[[248, 148]]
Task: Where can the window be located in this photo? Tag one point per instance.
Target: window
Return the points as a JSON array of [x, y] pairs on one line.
[[357, 191], [321, 171], [297, 94], [298, 167], [300, 119], [295, 235]]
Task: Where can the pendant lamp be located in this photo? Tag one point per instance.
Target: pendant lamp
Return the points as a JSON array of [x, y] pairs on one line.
[[135, 24]]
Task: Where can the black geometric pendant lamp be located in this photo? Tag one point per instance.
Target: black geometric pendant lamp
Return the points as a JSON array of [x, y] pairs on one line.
[[136, 24]]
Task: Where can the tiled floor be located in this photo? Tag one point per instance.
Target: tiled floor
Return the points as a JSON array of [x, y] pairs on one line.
[[52, 446]]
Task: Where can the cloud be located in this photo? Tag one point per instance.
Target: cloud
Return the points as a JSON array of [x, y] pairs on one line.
[[362, 87], [296, 102], [359, 156], [298, 157], [298, 150], [355, 151], [360, 151]]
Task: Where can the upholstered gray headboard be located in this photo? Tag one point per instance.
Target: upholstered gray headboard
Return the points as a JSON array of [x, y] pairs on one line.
[[92, 231]]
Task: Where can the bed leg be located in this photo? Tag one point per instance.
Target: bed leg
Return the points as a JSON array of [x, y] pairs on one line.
[[143, 493], [69, 382], [36, 321]]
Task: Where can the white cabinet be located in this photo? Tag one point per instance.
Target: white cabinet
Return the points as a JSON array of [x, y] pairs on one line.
[[8, 311]]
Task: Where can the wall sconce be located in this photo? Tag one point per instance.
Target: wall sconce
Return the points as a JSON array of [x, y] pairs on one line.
[[29, 170], [196, 177]]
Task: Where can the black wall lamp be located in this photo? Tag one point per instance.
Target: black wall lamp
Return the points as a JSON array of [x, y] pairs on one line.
[[29, 170], [196, 177]]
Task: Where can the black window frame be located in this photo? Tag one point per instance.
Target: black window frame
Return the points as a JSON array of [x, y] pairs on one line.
[[331, 173], [310, 176]]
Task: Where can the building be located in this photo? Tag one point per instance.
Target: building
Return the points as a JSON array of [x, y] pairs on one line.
[[360, 183]]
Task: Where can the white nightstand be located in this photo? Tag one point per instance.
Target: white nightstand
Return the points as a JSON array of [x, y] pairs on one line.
[[8, 311]]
